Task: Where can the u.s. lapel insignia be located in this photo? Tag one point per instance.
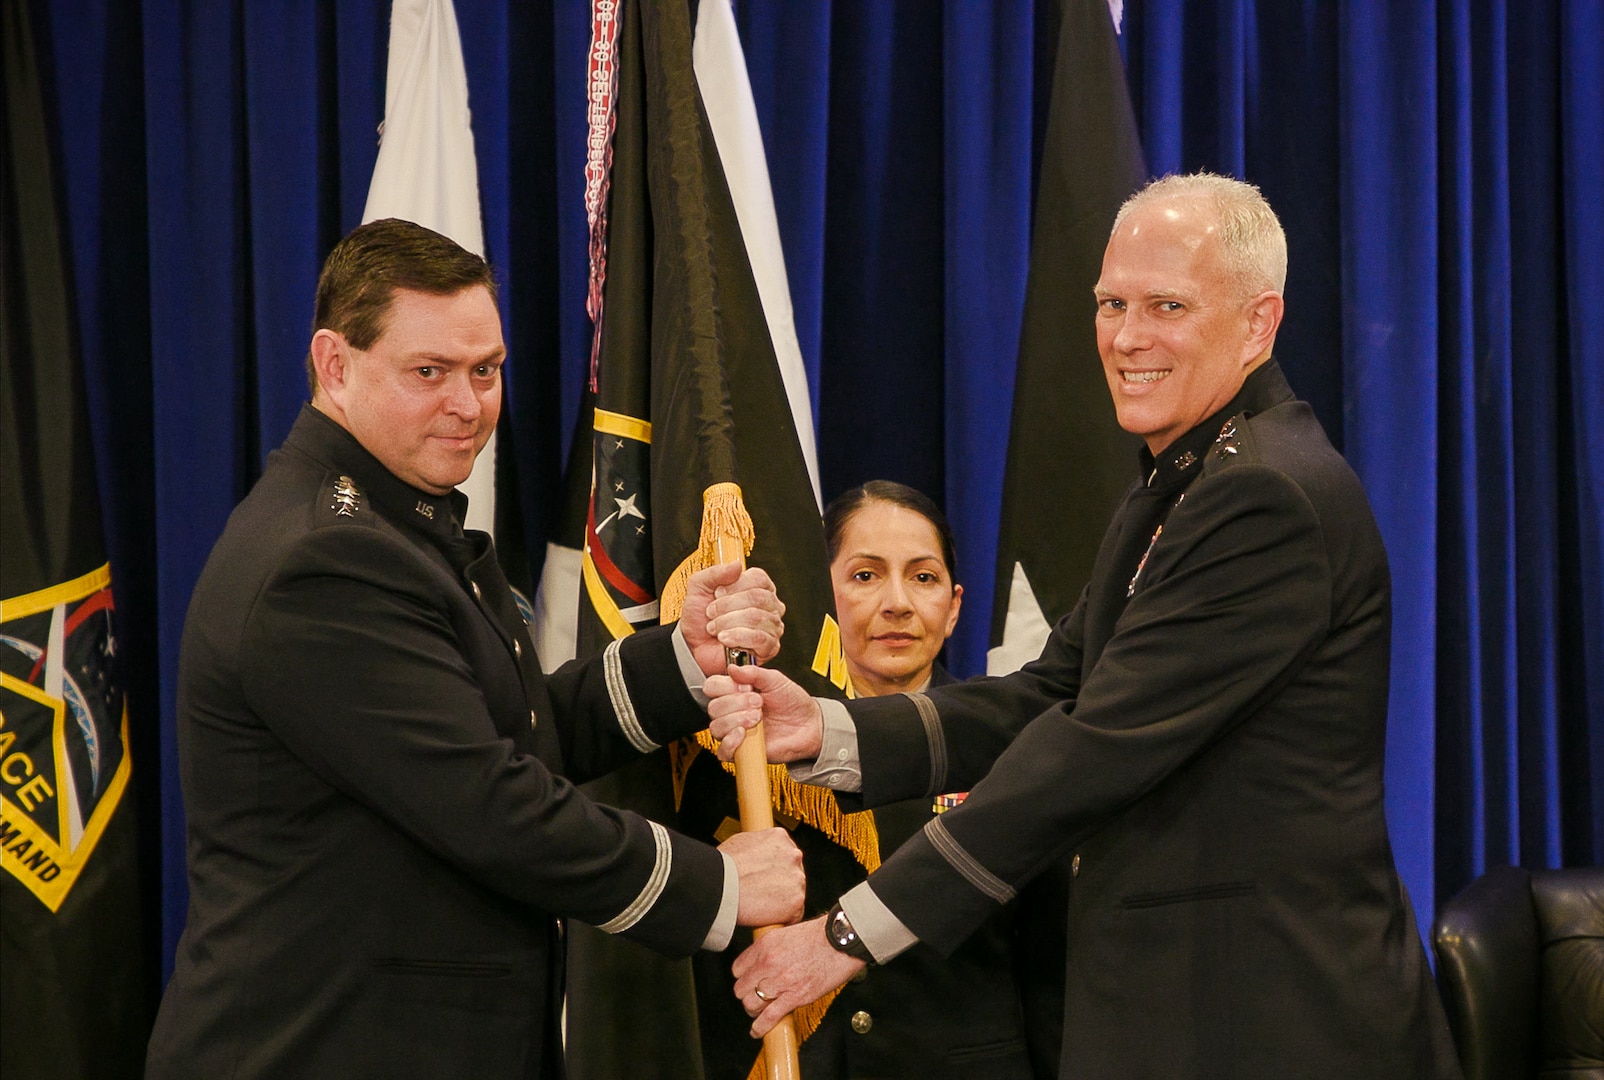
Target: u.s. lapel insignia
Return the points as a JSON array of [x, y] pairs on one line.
[[1226, 443], [347, 497], [1185, 460]]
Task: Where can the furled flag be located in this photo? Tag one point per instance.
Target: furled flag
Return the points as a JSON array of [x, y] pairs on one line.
[[1068, 460], [726, 93], [693, 434], [426, 171], [75, 977]]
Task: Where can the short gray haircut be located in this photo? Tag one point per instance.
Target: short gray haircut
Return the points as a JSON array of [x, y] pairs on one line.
[[1251, 237]]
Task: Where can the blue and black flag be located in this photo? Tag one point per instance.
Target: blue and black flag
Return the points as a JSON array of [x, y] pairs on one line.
[[73, 969]]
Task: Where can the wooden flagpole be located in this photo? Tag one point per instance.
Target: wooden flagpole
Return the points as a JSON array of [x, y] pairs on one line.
[[757, 812]]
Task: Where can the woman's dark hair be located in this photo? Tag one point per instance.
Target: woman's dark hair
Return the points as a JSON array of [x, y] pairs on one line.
[[362, 273], [848, 503]]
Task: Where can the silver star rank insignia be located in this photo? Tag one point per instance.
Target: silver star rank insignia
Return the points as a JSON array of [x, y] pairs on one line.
[[347, 498], [1226, 443]]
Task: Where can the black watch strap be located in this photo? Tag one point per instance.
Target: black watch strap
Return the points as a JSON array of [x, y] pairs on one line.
[[843, 938]]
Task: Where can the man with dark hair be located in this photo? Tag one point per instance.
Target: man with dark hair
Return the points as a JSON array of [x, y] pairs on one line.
[[383, 826], [361, 275], [1202, 737]]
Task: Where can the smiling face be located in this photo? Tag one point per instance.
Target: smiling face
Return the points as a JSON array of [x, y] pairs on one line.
[[1175, 332], [894, 596], [424, 399]]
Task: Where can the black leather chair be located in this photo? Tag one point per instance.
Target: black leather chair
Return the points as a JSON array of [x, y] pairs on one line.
[[1520, 961]]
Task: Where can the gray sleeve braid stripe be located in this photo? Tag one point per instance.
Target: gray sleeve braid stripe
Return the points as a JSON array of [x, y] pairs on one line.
[[655, 885], [623, 707], [938, 743], [963, 862]]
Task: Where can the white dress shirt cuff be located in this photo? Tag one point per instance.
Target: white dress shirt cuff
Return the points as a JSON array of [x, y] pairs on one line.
[[689, 669], [723, 928], [837, 766], [881, 931]]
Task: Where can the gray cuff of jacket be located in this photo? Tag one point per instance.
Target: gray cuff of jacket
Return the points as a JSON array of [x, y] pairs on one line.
[[689, 668], [880, 930], [723, 928], [838, 766]]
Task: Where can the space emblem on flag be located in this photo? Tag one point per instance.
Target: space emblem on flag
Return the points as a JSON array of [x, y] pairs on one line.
[[63, 732]]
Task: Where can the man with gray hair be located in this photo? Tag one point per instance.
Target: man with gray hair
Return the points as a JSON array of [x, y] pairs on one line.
[[1201, 738]]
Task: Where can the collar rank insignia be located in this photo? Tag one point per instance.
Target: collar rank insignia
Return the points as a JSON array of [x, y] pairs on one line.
[[347, 497], [1185, 460], [1226, 443]]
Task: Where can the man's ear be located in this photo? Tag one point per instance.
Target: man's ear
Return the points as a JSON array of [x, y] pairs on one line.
[[1264, 319], [330, 353]]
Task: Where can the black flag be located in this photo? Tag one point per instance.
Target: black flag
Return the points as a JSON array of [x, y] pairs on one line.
[[693, 435], [72, 963], [1068, 460]]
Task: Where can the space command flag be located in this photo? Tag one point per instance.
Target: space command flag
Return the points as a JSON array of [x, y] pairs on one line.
[[63, 732], [74, 973]]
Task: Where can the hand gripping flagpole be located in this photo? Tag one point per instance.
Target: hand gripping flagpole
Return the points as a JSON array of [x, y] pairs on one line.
[[757, 812]]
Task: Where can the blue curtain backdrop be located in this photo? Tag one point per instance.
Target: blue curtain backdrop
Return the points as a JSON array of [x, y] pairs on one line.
[[1439, 167]]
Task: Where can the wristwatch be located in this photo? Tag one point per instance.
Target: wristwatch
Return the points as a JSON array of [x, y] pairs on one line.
[[843, 938]]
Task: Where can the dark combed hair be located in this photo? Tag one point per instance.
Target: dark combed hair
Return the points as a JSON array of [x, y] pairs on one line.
[[845, 505], [362, 273]]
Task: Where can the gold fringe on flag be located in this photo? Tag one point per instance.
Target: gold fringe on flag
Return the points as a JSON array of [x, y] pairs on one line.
[[855, 832], [816, 807], [807, 1019]]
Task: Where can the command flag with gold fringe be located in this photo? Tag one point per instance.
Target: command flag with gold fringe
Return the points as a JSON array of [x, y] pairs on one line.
[[74, 974], [693, 435]]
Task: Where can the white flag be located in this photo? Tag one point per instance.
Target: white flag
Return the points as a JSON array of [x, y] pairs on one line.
[[426, 170]]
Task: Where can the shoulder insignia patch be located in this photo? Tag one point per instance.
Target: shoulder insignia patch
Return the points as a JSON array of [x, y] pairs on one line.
[[347, 497]]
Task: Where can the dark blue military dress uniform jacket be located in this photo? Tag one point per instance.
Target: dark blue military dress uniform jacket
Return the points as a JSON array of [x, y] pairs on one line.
[[1202, 739], [382, 822], [925, 1014]]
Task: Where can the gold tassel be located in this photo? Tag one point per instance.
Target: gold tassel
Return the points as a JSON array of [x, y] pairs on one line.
[[723, 514]]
